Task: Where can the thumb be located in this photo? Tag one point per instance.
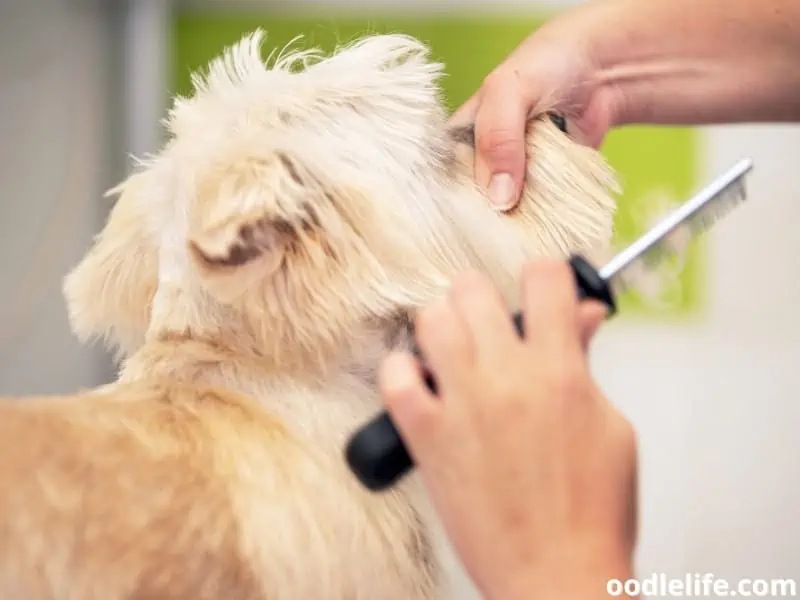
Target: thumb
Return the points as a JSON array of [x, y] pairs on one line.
[[500, 127], [591, 315]]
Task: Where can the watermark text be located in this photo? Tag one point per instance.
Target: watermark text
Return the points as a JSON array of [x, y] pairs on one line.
[[695, 585]]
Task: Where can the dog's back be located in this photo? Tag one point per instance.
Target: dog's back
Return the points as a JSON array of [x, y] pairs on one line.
[[171, 490]]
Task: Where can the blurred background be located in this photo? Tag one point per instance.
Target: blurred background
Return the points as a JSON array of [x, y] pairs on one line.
[[708, 373]]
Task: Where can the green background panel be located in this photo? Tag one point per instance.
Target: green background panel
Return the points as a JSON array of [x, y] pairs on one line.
[[649, 160]]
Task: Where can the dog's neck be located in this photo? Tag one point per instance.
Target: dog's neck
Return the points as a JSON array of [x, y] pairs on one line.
[[226, 359]]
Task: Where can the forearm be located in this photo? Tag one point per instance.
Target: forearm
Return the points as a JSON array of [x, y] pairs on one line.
[[698, 61]]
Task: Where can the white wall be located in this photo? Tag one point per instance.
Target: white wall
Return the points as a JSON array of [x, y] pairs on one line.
[[715, 400]]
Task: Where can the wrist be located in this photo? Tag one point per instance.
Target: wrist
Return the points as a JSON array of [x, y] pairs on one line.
[[570, 574], [637, 64]]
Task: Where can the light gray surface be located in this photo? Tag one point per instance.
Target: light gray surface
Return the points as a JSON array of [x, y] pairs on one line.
[[57, 66]]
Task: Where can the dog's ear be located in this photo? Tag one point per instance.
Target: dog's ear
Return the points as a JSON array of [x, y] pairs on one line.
[[110, 292], [248, 216]]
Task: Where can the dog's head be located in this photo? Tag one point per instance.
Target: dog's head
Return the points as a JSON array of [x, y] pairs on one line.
[[298, 201]]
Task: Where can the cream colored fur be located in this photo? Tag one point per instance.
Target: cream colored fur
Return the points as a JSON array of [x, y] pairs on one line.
[[251, 276]]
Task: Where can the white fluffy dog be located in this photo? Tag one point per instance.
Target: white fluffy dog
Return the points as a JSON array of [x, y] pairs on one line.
[[252, 274]]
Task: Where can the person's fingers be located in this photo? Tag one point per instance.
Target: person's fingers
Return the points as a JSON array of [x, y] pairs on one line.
[[486, 315], [591, 315], [414, 409], [500, 125], [550, 307], [446, 345]]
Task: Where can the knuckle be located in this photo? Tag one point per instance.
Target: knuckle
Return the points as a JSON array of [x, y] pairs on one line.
[[507, 401], [491, 79], [427, 321], [500, 78], [396, 390], [547, 271], [515, 388], [494, 79], [470, 284], [395, 384], [568, 381], [437, 327], [514, 396], [625, 435], [555, 269], [498, 142], [530, 272]]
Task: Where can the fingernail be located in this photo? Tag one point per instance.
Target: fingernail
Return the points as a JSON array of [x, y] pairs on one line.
[[501, 191]]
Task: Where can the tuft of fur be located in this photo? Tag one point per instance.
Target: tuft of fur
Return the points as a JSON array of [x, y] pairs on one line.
[[251, 276]]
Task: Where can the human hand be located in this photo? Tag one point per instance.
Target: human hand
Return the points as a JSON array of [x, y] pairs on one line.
[[555, 69], [607, 63], [531, 469]]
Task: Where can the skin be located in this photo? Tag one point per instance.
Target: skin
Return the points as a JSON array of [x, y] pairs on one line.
[[610, 63], [520, 435]]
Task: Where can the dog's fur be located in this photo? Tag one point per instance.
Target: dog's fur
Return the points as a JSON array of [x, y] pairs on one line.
[[251, 276]]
